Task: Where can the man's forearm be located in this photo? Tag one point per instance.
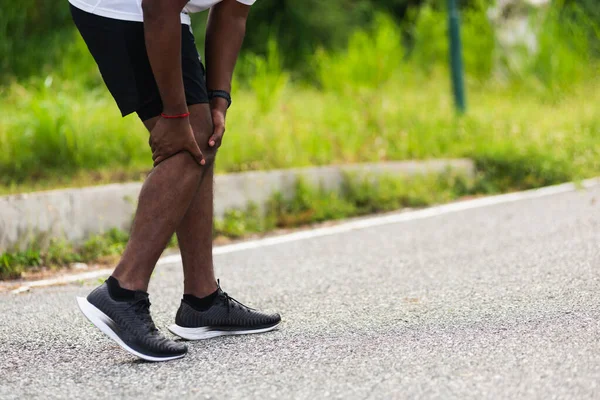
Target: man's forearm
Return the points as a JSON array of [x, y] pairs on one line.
[[162, 29], [224, 37]]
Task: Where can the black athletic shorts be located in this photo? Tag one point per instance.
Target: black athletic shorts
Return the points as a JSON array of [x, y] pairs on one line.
[[119, 49]]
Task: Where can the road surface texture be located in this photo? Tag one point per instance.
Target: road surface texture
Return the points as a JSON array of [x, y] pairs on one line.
[[497, 302]]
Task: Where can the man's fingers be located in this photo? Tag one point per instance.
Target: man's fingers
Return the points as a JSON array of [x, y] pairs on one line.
[[158, 160], [215, 140], [217, 137], [196, 153]]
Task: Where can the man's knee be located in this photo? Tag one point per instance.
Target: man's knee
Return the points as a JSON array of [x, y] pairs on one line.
[[210, 156], [203, 130], [202, 126]]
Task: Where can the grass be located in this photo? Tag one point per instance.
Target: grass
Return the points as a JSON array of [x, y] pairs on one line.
[[517, 138], [307, 205]]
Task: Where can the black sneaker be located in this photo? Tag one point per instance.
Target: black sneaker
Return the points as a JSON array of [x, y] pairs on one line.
[[226, 316], [130, 325]]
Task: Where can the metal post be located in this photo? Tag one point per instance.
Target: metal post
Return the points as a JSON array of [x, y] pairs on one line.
[[456, 62]]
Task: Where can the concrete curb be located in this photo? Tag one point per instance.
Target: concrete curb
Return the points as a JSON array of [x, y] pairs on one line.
[[75, 214], [17, 287]]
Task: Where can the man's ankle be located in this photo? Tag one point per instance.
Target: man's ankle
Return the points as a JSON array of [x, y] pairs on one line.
[[201, 291], [130, 283], [200, 303], [117, 292]]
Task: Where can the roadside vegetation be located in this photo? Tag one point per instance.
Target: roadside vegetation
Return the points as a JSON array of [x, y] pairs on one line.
[[307, 206], [527, 125]]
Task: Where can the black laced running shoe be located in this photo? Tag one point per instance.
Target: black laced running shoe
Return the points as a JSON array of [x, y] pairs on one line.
[[130, 325], [226, 316]]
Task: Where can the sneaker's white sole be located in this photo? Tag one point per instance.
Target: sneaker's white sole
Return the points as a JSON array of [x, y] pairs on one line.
[[105, 324], [207, 333]]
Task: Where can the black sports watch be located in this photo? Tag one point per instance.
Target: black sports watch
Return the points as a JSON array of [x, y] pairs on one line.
[[220, 93]]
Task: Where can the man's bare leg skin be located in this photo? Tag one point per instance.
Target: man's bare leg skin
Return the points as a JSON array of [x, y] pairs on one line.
[[161, 211], [195, 241], [194, 232]]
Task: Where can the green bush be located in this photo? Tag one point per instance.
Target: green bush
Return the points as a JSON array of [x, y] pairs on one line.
[[36, 37], [302, 27], [13, 264], [31, 34], [479, 42], [60, 252], [563, 58], [237, 223], [265, 77], [111, 243], [370, 60], [430, 39]]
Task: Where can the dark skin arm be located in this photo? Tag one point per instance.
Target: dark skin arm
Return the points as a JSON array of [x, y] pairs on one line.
[[162, 29], [224, 37]]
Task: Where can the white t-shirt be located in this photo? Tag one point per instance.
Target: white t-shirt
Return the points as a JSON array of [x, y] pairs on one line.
[[131, 10]]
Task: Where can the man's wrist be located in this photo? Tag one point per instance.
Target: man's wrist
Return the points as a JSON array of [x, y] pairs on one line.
[[223, 94], [219, 104], [176, 109], [175, 116]]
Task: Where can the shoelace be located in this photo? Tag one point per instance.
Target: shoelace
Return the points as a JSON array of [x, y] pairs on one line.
[[232, 303], [142, 310]]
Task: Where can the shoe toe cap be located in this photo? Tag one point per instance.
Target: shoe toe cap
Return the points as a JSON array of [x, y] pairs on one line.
[[179, 348]]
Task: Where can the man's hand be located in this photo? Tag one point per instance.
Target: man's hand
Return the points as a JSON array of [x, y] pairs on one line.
[[218, 110], [172, 136]]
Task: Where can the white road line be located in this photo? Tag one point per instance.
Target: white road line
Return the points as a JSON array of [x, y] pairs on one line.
[[369, 222], [362, 223], [62, 280]]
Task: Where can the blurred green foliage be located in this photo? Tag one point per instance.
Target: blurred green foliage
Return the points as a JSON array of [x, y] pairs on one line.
[[371, 101], [32, 34], [35, 35]]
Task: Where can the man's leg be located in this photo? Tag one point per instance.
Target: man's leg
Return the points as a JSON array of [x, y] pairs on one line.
[[122, 314], [164, 201], [195, 240], [194, 232], [205, 310]]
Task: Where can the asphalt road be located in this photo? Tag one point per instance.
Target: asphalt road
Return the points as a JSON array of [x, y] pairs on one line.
[[500, 302]]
